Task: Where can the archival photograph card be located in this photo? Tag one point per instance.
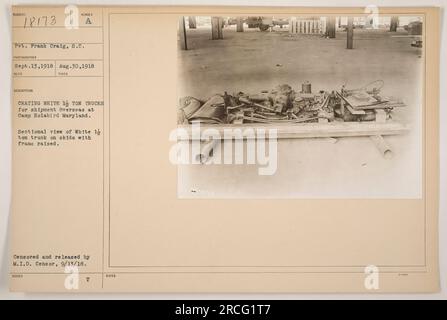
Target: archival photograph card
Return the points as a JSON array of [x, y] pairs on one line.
[[224, 149]]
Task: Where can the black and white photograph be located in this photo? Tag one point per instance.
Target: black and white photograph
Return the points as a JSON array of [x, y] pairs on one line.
[[342, 97]]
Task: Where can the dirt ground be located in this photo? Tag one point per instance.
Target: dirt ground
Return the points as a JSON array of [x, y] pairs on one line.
[[309, 168]]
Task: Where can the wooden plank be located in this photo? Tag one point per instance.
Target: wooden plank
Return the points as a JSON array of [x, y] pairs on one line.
[[307, 130], [355, 103], [349, 107], [353, 111], [382, 105], [182, 32]]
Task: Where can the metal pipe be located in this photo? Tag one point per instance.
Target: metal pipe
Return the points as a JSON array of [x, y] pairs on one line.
[[207, 151], [382, 146]]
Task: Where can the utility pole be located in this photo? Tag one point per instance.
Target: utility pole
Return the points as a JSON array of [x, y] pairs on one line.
[[331, 27], [350, 34], [394, 23], [182, 33], [240, 24], [216, 28]]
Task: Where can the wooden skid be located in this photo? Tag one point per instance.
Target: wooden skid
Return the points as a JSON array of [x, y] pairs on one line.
[[298, 131]]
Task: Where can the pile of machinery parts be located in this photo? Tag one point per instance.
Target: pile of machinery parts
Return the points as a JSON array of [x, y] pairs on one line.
[[285, 105]]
